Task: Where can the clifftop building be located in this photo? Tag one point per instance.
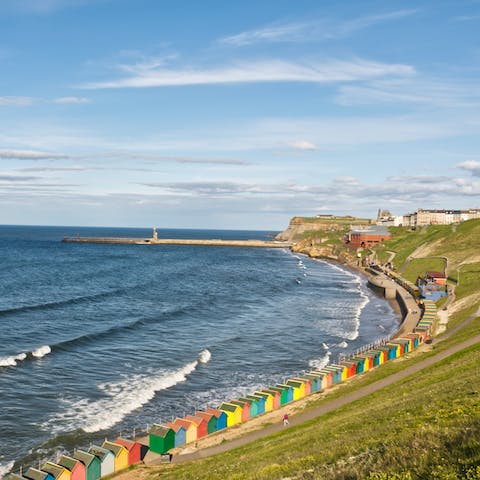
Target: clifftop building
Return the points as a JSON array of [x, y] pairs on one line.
[[423, 217]]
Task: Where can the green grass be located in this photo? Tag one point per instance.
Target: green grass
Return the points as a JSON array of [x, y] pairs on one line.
[[418, 266]]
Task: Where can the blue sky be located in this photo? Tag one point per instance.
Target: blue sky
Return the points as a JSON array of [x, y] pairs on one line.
[[219, 114]]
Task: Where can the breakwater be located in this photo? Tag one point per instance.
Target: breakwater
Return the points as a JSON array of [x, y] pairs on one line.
[[180, 241]]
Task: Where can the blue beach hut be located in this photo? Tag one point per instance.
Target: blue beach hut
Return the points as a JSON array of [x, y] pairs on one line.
[[180, 433], [34, 474], [260, 402], [253, 406], [289, 390], [221, 417]]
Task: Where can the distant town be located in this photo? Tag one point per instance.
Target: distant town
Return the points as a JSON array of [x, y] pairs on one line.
[[422, 217]]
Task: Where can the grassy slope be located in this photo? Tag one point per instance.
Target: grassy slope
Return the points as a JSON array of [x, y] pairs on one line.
[[427, 426]]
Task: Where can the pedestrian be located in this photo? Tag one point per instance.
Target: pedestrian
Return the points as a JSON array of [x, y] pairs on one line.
[[285, 420]]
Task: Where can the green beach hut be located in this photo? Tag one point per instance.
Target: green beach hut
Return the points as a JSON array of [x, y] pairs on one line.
[[91, 462], [283, 392], [288, 389], [253, 405], [260, 402], [211, 420], [161, 439]]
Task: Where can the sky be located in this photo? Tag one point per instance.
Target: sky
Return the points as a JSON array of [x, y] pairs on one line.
[[236, 115]]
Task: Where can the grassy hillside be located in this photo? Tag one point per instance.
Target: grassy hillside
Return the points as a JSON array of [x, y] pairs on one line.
[[424, 427]]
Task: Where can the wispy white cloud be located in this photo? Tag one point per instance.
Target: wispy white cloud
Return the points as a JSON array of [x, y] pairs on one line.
[[326, 71], [71, 100], [303, 145], [472, 166], [441, 93], [31, 155], [320, 29], [18, 101], [10, 101]]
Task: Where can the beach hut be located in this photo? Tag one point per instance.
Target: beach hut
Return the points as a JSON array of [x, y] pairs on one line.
[[401, 346], [343, 370], [360, 364], [268, 400], [57, 471], [367, 361], [136, 450], [161, 439], [120, 452], [283, 394], [200, 423], [276, 397], [75, 467], [394, 350], [328, 376], [106, 457], [260, 402], [211, 420], [221, 417], [253, 405], [180, 433], [298, 389], [91, 462], [336, 373], [245, 406], [315, 382], [306, 382], [288, 389], [233, 412], [350, 367], [190, 429], [34, 474]]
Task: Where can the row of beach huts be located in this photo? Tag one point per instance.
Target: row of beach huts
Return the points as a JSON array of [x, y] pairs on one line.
[[112, 456]]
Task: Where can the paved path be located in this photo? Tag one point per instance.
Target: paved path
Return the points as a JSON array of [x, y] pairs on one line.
[[330, 406]]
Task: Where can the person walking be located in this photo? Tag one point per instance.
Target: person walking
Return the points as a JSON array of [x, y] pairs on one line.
[[285, 420]]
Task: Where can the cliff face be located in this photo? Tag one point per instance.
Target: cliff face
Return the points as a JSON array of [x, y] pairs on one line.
[[319, 237]]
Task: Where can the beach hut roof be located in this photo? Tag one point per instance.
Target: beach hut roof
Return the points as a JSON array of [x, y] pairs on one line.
[[263, 394], [128, 444], [229, 407], [160, 430], [113, 447], [184, 423], [99, 452], [34, 474], [206, 415], [240, 402], [247, 400], [215, 411], [84, 457], [173, 426], [194, 419], [53, 468], [68, 462], [294, 383]]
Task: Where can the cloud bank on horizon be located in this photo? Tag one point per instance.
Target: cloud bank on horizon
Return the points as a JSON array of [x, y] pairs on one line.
[[238, 115]]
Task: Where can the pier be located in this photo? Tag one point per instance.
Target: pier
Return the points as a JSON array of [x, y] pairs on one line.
[[154, 240]]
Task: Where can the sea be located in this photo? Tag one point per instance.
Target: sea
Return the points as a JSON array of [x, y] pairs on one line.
[[101, 340]]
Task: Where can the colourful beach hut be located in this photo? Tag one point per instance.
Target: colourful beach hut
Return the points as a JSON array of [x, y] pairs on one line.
[[283, 392], [34, 474], [233, 412], [211, 420], [397, 349], [329, 376], [315, 381], [276, 397], [245, 406], [260, 402], [268, 400], [161, 439], [350, 367], [343, 370], [306, 383], [180, 433], [136, 450], [200, 423], [57, 471], [120, 452], [298, 388], [288, 389], [190, 429], [336, 373], [91, 462], [106, 457], [367, 361], [253, 405], [75, 467], [401, 346], [221, 417]]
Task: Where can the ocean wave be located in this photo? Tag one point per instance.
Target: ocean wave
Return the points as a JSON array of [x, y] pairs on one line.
[[119, 399], [12, 360], [41, 351], [319, 363], [343, 344], [5, 468], [60, 303]]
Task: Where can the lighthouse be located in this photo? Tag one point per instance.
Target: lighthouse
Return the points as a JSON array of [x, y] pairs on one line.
[[155, 235]]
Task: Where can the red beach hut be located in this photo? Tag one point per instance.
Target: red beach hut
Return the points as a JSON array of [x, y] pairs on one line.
[[201, 423], [245, 406], [136, 450], [211, 420]]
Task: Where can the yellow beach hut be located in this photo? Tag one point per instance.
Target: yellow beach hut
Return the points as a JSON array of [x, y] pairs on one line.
[[298, 388], [190, 429], [57, 471], [233, 412], [120, 452], [268, 400]]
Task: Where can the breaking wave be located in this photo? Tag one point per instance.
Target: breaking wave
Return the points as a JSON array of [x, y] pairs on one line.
[[319, 363], [5, 468], [41, 351], [127, 395]]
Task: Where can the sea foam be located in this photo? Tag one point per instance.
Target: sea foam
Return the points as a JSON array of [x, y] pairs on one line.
[[12, 361], [319, 363], [5, 468], [41, 351], [126, 396]]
